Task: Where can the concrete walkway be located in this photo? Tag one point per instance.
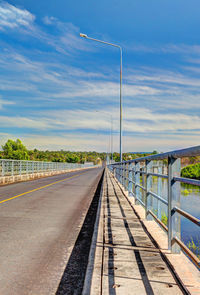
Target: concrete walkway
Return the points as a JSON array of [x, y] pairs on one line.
[[126, 258]]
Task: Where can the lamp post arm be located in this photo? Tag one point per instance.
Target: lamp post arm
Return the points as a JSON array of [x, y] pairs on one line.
[[111, 44]]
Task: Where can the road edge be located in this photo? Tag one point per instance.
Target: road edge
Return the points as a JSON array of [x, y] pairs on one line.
[[93, 277]]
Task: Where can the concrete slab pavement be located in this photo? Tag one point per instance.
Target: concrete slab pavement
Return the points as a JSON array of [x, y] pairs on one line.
[[126, 259]]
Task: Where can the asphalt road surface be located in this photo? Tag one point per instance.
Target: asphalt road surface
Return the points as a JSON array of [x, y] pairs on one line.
[[40, 221]]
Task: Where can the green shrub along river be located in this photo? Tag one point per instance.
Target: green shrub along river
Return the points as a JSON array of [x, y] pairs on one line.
[[191, 171]]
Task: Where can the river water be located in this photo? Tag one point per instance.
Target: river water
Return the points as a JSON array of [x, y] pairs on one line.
[[190, 202]]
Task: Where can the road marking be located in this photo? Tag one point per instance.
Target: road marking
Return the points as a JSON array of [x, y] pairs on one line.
[[39, 188]]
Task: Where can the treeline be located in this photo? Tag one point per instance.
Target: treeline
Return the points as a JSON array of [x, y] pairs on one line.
[[18, 151]]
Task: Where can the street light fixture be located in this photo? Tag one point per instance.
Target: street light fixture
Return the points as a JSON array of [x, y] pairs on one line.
[[111, 44]]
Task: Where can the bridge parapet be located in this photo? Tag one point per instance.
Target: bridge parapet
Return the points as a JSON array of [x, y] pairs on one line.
[[18, 170]]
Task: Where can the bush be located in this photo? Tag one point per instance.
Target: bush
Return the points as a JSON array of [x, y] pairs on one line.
[[191, 171]]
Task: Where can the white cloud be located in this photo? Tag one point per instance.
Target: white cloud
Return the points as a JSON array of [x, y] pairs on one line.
[[101, 142], [49, 20], [76, 142], [135, 120], [166, 49], [13, 17], [163, 76], [65, 41], [144, 120], [5, 102], [163, 143], [27, 77], [104, 89]]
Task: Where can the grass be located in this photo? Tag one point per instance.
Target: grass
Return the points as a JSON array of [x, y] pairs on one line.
[[194, 247], [164, 218]]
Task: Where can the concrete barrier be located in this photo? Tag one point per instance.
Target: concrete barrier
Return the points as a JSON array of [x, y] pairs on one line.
[[25, 177]]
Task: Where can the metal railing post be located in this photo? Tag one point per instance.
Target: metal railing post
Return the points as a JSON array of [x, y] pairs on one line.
[[159, 192], [174, 168], [118, 172], [143, 183], [137, 180], [130, 179], [124, 175], [20, 168], [148, 187], [133, 178], [121, 174], [12, 169], [2, 168], [114, 171]]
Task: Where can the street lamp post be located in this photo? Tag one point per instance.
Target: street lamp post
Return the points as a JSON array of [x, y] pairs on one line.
[[100, 41]]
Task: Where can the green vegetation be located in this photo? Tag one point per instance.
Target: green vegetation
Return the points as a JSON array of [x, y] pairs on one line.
[[17, 150], [164, 218], [191, 171], [186, 191], [194, 247]]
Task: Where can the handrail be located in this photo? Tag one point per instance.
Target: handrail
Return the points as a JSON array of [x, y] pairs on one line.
[[158, 220], [187, 251], [134, 175], [143, 204], [187, 215], [159, 175], [187, 180], [140, 186], [158, 197], [188, 152]]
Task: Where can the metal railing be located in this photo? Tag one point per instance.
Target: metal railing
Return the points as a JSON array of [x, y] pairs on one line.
[[136, 177], [18, 167]]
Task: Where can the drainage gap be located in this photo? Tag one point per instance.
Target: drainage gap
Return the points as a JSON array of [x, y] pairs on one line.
[[73, 277]]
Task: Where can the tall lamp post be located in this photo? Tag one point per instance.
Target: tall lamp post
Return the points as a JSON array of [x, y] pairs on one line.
[[114, 45]]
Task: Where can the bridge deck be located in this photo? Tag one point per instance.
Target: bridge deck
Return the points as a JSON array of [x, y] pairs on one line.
[[130, 262]]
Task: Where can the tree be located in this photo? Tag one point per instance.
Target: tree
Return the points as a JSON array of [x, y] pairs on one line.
[[15, 150], [72, 158], [154, 152]]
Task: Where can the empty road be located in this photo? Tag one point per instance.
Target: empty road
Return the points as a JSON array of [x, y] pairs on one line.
[[39, 223]]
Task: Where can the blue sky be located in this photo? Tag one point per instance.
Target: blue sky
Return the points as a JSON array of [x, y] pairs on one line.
[[58, 91]]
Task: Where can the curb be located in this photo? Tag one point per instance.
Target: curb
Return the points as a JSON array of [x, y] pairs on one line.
[[93, 277]]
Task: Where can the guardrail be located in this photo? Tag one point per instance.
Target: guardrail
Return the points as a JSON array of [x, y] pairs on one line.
[[136, 177], [18, 167]]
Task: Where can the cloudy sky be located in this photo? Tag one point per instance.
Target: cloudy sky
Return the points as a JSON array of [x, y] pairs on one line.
[[58, 91]]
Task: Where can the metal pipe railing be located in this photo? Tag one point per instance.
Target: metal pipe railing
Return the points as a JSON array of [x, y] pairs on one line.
[[187, 215], [158, 220], [138, 179], [20, 167], [187, 251]]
